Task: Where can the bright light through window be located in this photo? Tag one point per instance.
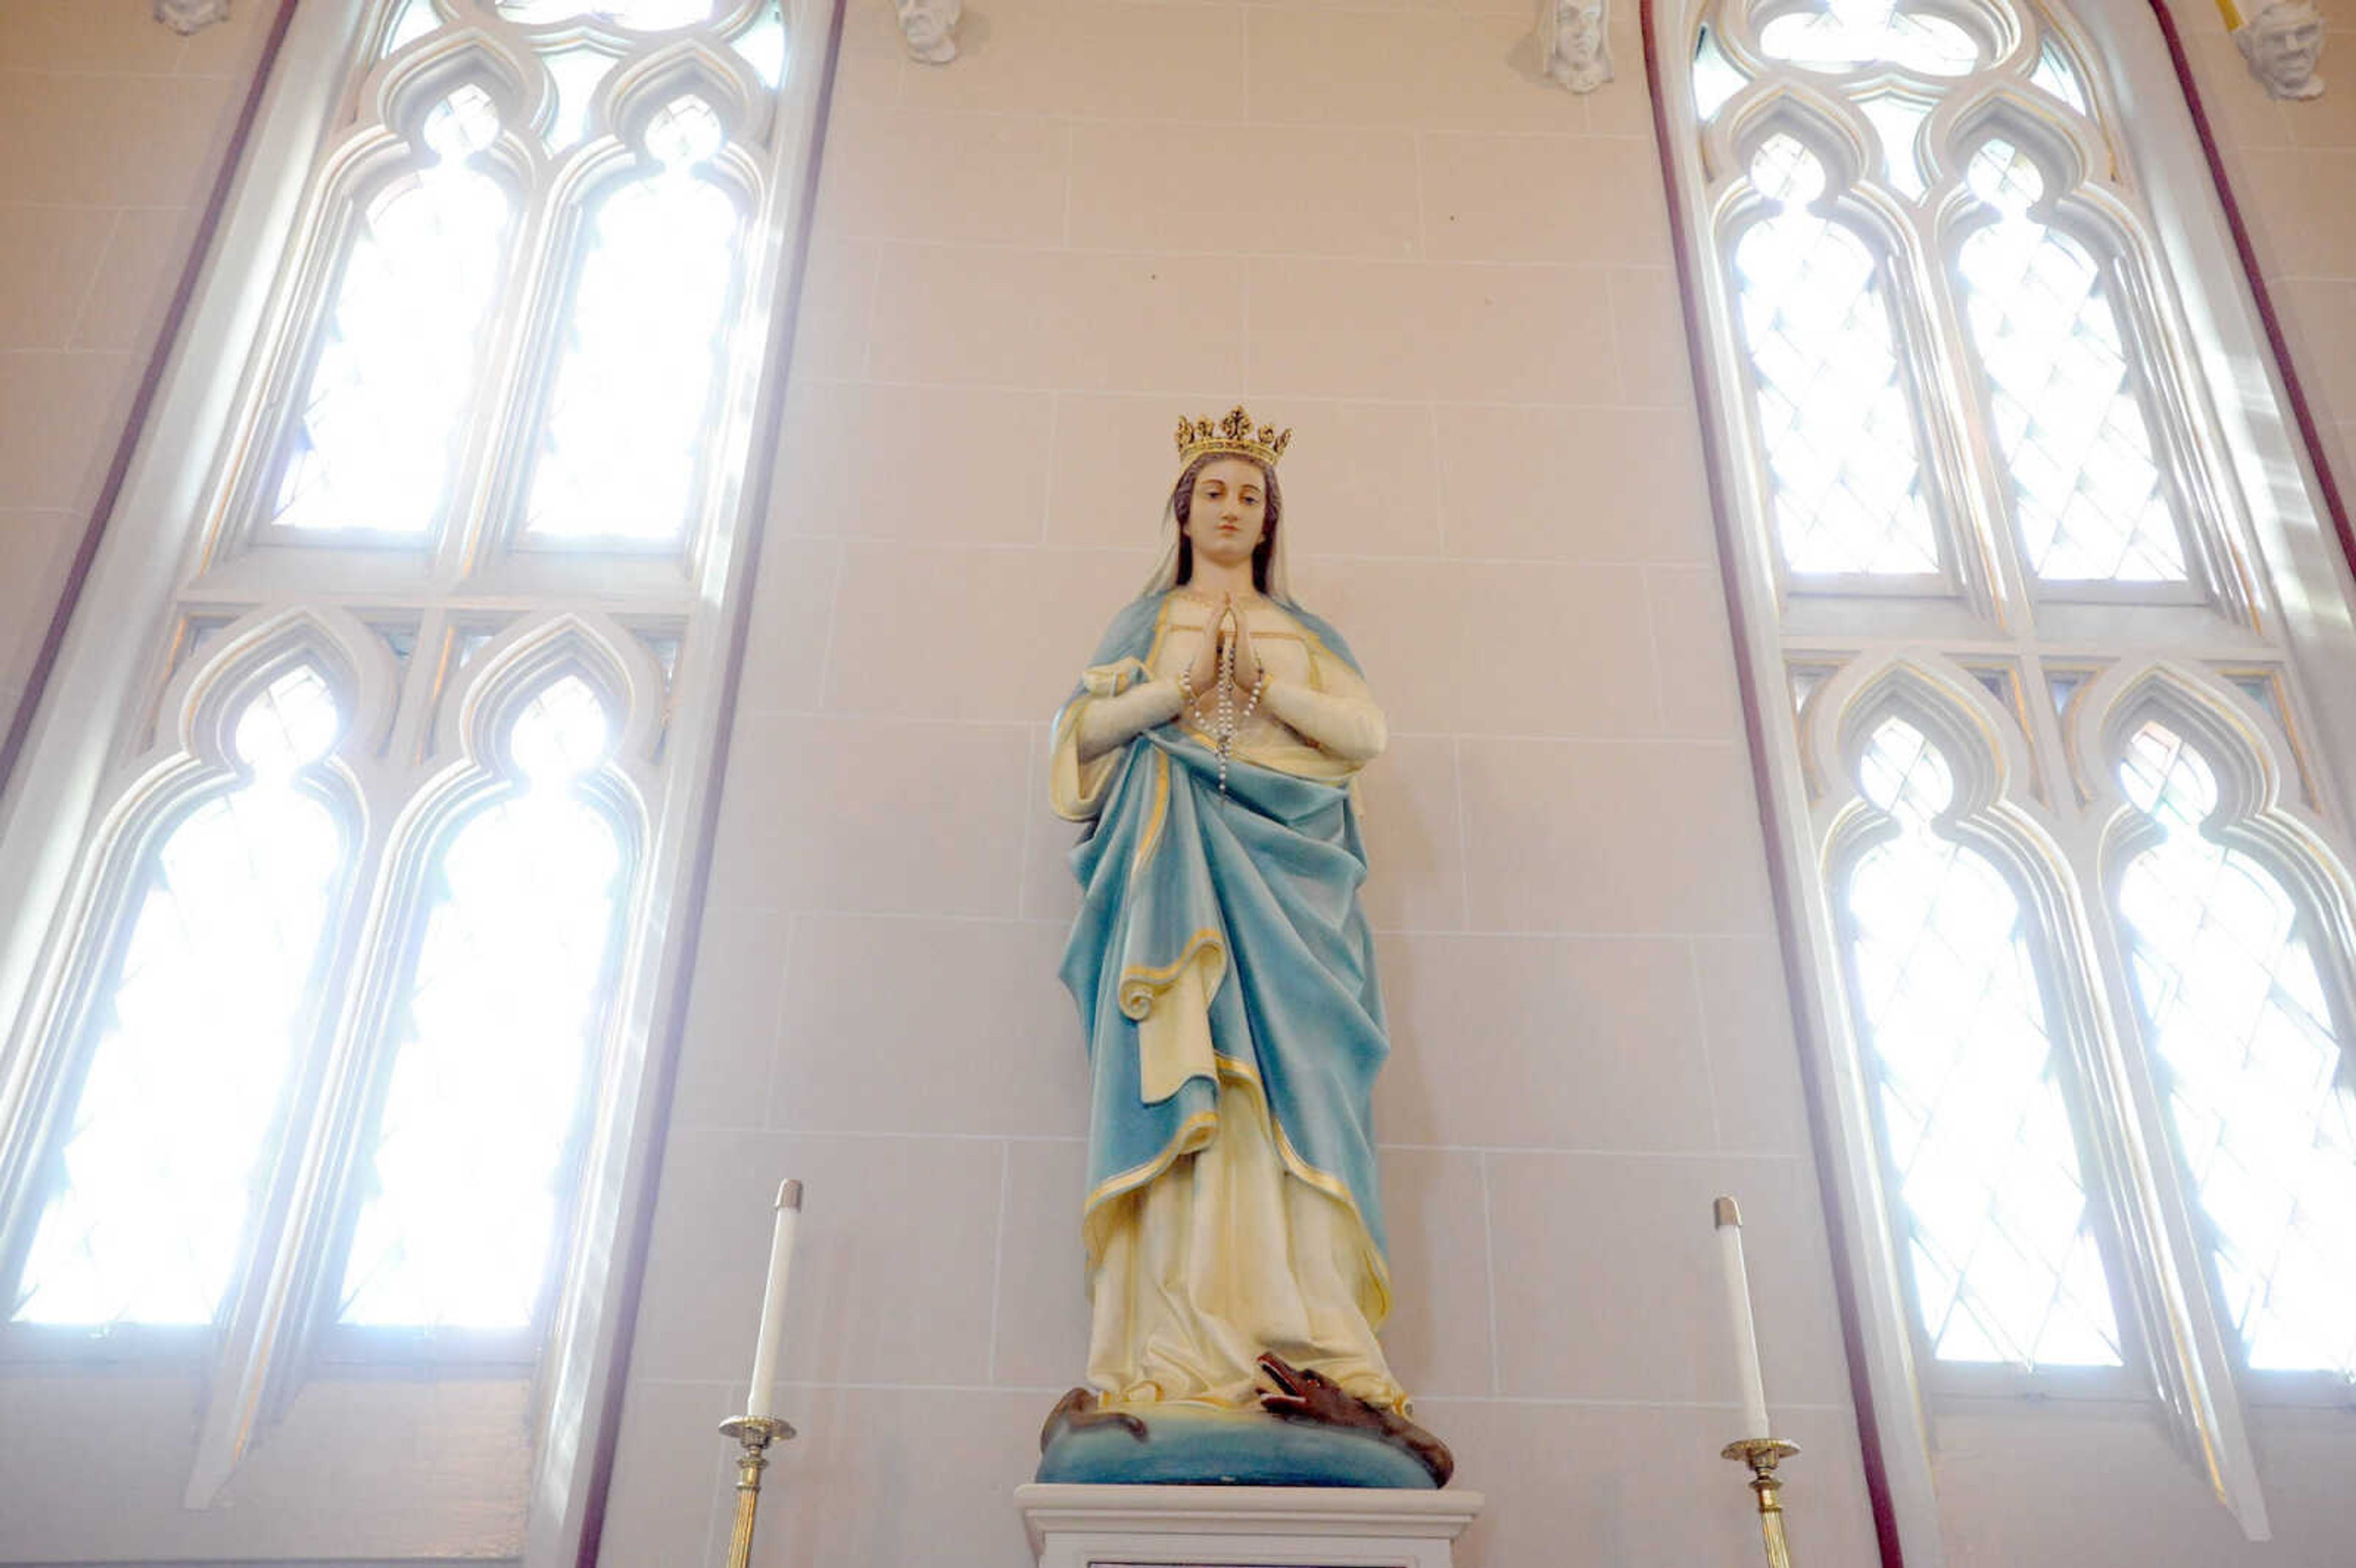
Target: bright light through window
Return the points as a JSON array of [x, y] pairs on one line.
[[2086, 492], [385, 402], [491, 1042], [623, 445], [198, 1028], [2264, 1115], [2004, 1263], [1849, 34], [645, 16], [1841, 438]]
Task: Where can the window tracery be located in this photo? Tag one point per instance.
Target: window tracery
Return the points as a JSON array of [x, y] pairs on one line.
[[489, 348], [2143, 1180]]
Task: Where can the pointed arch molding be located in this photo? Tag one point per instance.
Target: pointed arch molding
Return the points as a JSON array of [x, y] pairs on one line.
[[179, 607], [2034, 770]]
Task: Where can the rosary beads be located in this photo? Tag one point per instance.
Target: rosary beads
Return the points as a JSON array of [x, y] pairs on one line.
[[1227, 719]]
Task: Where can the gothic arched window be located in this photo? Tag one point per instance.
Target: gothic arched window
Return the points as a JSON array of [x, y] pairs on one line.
[[1988, 443], [329, 1035], [196, 1021], [505, 990], [2253, 1055], [1975, 1126]]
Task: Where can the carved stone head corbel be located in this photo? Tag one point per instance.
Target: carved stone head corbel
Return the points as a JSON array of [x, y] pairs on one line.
[[2284, 44], [1572, 46]]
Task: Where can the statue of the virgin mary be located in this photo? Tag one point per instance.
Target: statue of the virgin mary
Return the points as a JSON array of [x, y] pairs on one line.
[[1224, 976]]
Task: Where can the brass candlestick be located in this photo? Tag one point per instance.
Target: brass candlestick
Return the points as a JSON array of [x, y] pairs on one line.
[[1762, 1455], [754, 1434]]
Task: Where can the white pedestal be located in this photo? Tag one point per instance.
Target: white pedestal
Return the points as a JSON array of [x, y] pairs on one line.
[[1227, 1527]]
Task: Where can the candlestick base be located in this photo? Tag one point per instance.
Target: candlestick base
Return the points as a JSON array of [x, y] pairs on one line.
[[1762, 1455], [754, 1434]]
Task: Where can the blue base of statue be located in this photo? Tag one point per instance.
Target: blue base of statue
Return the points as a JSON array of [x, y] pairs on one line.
[[1174, 1446]]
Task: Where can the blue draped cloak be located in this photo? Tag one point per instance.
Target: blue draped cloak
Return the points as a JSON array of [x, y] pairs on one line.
[[1266, 879]]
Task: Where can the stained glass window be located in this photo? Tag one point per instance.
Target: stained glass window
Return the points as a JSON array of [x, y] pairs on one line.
[[465, 1176], [1977, 1127], [197, 1029], [384, 405], [2087, 495], [1841, 447], [2264, 1115]]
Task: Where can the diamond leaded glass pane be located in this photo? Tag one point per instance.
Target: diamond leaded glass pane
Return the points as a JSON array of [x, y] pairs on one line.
[[2264, 1119], [195, 1032], [2087, 495], [623, 445], [1977, 1132], [1843, 459], [491, 1044], [384, 407]]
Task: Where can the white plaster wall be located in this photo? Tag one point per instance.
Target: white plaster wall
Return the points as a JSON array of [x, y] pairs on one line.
[[1379, 226], [111, 130]]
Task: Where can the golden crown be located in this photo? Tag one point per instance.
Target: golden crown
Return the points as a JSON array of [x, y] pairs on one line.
[[1233, 434]]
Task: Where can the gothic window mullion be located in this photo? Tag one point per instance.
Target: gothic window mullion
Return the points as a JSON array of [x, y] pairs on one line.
[[269, 1340], [2222, 565], [504, 370], [2141, 1201], [1958, 444]]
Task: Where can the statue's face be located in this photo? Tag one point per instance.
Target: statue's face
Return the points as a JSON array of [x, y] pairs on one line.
[[1228, 512]]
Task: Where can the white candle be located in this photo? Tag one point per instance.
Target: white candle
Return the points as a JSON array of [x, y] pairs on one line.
[[1737, 1307], [773, 1303]]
